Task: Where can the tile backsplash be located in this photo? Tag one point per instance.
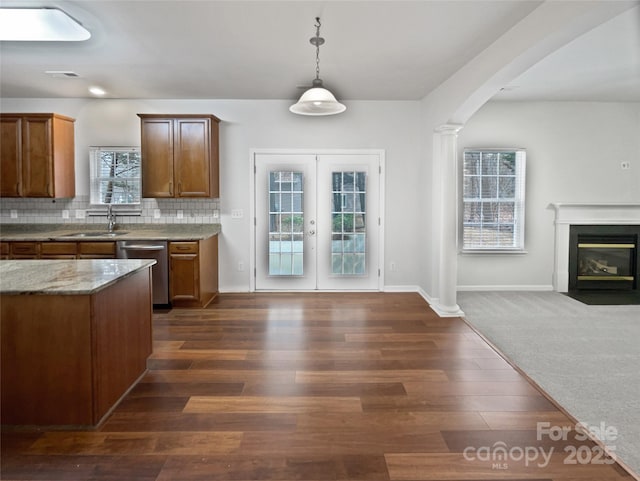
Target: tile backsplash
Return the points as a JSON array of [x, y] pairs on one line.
[[79, 211]]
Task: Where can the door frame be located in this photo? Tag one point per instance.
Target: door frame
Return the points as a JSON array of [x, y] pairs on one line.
[[252, 202]]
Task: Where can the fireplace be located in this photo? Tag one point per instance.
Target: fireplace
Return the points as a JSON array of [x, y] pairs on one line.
[[603, 257], [568, 216]]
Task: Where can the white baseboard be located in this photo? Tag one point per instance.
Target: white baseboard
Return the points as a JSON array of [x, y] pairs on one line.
[[401, 288], [535, 287]]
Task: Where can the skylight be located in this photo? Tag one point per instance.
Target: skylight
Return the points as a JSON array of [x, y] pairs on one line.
[[40, 24]]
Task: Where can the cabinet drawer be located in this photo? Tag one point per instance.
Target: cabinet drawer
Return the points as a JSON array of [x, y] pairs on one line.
[[183, 248], [24, 248], [4, 248], [102, 248], [57, 248]]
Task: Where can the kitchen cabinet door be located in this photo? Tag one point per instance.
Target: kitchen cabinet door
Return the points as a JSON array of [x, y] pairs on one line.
[[193, 267], [11, 156], [38, 159], [179, 156], [184, 283], [193, 157], [157, 157]]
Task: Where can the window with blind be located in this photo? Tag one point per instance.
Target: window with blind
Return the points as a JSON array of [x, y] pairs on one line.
[[493, 185], [115, 175]]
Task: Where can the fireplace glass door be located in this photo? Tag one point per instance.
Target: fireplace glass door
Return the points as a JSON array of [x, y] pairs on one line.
[[606, 263]]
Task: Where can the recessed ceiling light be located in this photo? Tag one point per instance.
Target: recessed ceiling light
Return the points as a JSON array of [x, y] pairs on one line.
[[40, 24], [97, 91]]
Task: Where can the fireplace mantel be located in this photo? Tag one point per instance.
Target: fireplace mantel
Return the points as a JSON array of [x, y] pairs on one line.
[[568, 214]]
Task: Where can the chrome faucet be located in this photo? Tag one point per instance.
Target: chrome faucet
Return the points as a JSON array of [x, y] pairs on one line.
[[111, 218]]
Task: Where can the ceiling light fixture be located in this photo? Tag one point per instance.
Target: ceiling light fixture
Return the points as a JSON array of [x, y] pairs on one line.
[[98, 91], [317, 100], [40, 25]]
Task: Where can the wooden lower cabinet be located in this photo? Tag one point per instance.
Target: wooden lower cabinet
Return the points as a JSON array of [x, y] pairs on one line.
[[68, 359], [96, 250], [24, 250], [59, 250], [193, 265], [193, 272], [4, 250]]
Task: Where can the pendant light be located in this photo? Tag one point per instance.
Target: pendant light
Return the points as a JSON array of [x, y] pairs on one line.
[[317, 100]]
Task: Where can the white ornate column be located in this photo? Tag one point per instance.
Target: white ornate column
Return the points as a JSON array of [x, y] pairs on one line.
[[446, 158]]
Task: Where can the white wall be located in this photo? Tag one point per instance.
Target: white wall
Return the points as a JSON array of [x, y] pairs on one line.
[[574, 151], [246, 124]]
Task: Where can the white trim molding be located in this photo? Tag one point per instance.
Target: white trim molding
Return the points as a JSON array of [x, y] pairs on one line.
[[533, 287], [568, 214]]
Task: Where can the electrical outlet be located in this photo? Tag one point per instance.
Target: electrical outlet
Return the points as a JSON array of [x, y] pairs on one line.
[[80, 214], [14, 214], [180, 214], [240, 266], [216, 214], [156, 213], [237, 214], [65, 214], [393, 267], [625, 165]]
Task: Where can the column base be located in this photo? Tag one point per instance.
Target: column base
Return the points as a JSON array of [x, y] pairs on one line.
[[447, 311]]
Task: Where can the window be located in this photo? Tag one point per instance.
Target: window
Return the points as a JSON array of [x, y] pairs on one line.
[[493, 184], [115, 175]]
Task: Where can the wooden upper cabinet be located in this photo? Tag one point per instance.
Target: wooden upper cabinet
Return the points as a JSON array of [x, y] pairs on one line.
[[37, 155], [10, 156], [179, 155]]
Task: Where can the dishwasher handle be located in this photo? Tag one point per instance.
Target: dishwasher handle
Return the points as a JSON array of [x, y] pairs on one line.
[[143, 247]]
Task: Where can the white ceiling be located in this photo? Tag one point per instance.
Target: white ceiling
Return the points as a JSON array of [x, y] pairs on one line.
[[374, 50]]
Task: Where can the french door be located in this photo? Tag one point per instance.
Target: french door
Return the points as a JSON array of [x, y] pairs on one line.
[[317, 221]]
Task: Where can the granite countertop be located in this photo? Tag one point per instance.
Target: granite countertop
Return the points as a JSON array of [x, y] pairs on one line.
[[68, 277], [66, 232]]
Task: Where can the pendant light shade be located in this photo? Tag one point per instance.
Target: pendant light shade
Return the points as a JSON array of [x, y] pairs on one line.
[[317, 100]]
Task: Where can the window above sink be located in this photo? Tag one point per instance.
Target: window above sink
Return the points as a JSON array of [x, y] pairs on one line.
[[115, 176]]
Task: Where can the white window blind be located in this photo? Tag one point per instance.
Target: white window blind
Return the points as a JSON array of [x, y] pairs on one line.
[[493, 187]]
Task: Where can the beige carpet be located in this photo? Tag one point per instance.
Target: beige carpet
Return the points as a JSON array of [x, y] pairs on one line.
[[586, 357]]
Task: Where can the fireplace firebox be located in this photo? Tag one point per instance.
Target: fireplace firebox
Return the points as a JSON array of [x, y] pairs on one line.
[[603, 257]]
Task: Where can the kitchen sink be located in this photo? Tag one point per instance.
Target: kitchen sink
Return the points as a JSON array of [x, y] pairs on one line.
[[95, 234]]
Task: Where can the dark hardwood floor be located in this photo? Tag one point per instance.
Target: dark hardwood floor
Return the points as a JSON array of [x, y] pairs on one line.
[[316, 387]]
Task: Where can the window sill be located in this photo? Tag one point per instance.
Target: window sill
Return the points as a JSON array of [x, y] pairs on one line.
[[119, 210]]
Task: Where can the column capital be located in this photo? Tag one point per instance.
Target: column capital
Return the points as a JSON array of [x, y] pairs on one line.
[[448, 129]]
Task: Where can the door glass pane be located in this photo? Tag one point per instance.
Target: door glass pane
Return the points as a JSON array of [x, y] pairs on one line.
[[348, 232], [286, 221]]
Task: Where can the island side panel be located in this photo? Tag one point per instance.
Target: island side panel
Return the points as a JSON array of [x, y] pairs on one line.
[[46, 360], [122, 338], [209, 269]]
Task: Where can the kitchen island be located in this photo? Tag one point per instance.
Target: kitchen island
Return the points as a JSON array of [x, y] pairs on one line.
[[75, 337]]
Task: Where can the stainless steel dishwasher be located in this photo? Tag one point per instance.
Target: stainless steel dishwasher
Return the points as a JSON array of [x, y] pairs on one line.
[[156, 250]]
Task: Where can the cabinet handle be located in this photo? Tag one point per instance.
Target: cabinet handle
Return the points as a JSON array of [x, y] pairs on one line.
[[170, 188], [183, 248], [48, 188], [18, 189], [179, 188]]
